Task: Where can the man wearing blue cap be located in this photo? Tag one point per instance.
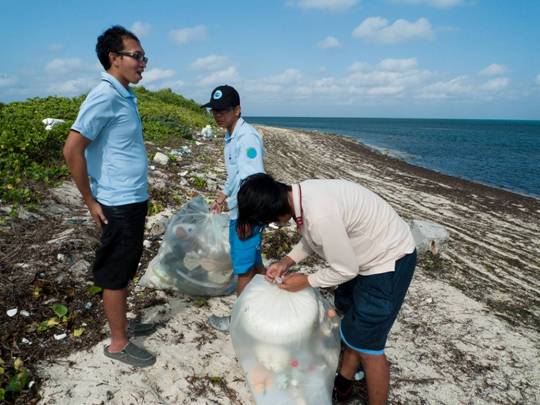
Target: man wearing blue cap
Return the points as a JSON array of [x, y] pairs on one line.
[[244, 152]]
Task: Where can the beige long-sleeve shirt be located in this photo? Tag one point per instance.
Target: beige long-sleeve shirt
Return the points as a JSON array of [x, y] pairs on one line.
[[351, 227]]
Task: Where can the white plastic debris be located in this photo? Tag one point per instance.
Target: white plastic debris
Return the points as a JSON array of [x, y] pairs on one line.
[[161, 159], [12, 312], [50, 123], [428, 236], [147, 243], [25, 313], [181, 151], [60, 336], [184, 173], [152, 167], [26, 341], [60, 257], [31, 384], [88, 305], [198, 143], [207, 132]]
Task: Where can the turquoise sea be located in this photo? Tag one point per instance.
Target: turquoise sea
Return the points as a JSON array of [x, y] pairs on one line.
[[499, 153]]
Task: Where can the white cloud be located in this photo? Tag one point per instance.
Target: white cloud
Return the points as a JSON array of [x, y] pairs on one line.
[[464, 87], [434, 3], [378, 30], [494, 70], [71, 87], [286, 77], [55, 47], [398, 64], [184, 36], [141, 29], [329, 42], [63, 66], [156, 74], [210, 62], [385, 90], [497, 84], [333, 5], [457, 86], [7, 80], [220, 77], [389, 78], [175, 85]]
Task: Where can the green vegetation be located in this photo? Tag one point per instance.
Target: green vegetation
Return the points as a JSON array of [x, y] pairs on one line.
[[31, 158], [198, 182]]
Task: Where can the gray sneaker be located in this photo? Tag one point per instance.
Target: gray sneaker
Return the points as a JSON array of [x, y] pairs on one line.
[[132, 355], [140, 329], [221, 323]]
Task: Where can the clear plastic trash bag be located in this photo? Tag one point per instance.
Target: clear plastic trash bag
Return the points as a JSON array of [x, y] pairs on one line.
[[428, 236], [194, 255], [287, 343]]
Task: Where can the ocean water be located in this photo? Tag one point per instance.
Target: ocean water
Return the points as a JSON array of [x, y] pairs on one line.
[[499, 153]]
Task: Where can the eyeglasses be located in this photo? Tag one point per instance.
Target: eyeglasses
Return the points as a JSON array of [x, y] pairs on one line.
[[139, 57]]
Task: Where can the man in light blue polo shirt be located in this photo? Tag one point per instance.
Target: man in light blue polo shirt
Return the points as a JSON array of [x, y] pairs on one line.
[[107, 159], [244, 153]]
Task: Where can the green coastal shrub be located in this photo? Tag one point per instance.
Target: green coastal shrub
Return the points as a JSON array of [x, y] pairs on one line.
[[31, 158]]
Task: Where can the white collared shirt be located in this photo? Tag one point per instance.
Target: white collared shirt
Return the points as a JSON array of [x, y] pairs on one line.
[[351, 227]]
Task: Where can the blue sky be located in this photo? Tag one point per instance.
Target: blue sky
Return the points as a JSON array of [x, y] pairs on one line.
[[350, 58]]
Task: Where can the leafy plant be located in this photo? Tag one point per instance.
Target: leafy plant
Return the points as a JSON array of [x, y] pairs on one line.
[[60, 310], [31, 158], [199, 182]]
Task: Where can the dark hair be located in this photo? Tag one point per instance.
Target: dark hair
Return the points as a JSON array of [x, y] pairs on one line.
[[112, 40], [261, 200]]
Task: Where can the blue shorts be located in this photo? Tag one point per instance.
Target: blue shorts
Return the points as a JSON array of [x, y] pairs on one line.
[[371, 304], [245, 254]]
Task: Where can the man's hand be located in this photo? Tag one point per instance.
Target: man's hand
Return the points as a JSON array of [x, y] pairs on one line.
[[294, 282], [97, 213], [277, 269]]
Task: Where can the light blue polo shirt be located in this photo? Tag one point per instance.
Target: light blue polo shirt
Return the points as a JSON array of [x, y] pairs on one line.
[[116, 158], [244, 153]]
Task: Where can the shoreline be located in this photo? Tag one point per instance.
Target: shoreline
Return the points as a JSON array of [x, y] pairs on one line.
[[427, 172], [457, 183], [375, 149]]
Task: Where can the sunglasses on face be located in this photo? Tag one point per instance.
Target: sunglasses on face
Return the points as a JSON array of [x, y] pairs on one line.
[[139, 57]]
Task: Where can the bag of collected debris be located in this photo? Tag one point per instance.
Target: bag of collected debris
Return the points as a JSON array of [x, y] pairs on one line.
[[287, 343], [194, 255], [428, 236]]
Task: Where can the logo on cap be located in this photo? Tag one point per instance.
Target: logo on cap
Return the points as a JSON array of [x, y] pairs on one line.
[[217, 95]]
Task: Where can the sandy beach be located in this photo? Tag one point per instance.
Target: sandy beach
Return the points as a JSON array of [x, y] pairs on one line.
[[468, 332]]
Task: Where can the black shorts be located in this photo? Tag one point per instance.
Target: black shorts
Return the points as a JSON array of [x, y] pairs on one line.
[[121, 247], [371, 305]]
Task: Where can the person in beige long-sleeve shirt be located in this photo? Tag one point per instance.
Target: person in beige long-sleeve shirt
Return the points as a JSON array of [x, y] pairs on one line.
[[371, 255]]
